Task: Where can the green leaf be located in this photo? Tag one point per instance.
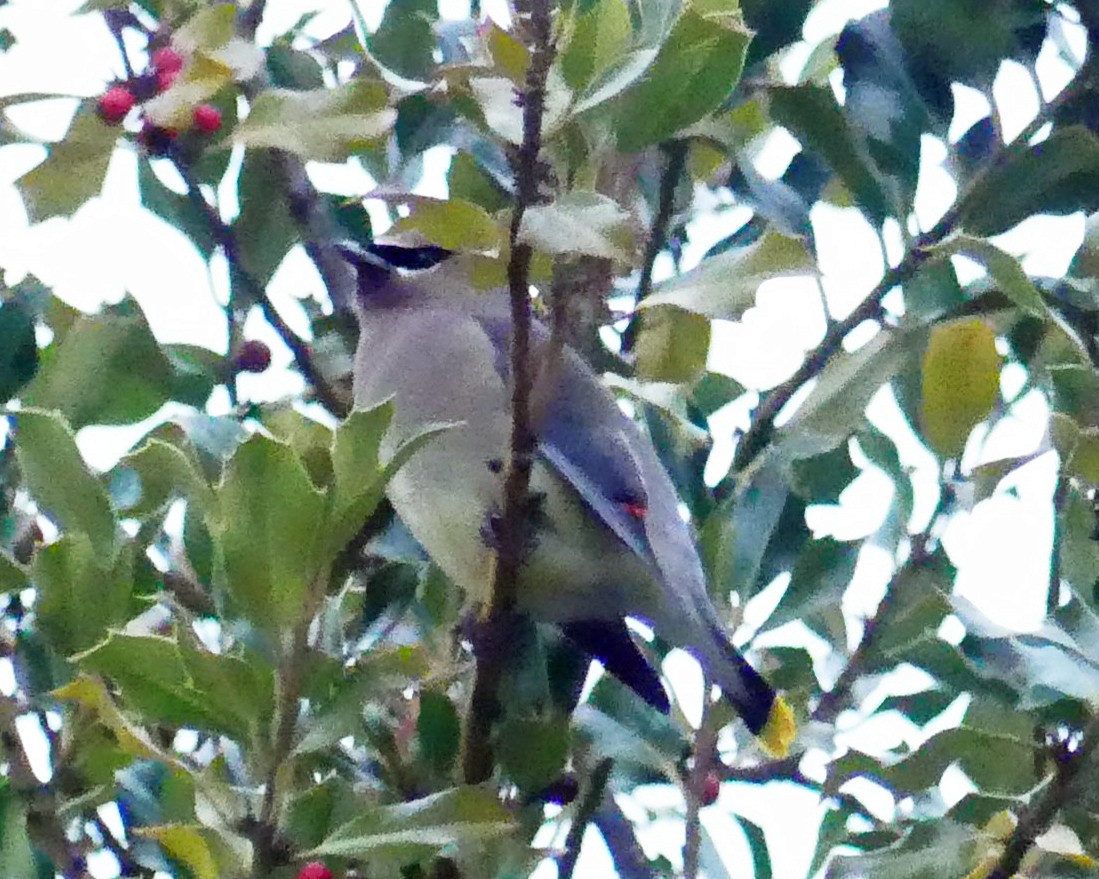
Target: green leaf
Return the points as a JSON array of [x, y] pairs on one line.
[[654, 22], [13, 576], [324, 125], [580, 223], [82, 593], [405, 40], [672, 345], [735, 536], [836, 405], [209, 28], [713, 391], [293, 69], [961, 382], [821, 576], [196, 371], [813, 116], [310, 440], [930, 851], [775, 25], [19, 354], [188, 845], [106, 369], [964, 39], [164, 472], [264, 229], [533, 751], [822, 478], [991, 759], [16, 854], [175, 209], [696, 69], [600, 37], [59, 482], [415, 830], [267, 525], [757, 842], [1002, 267], [161, 687], [454, 224], [468, 181], [933, 291], [381, 670], [1060, 175], [918, 603], [724, 286], [438, 731], [74, 170], [360, 478]]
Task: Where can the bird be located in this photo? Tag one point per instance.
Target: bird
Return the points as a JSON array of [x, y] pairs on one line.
[[608, 539]]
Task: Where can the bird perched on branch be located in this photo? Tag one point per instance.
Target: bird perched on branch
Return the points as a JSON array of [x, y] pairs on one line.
[[608, 540]]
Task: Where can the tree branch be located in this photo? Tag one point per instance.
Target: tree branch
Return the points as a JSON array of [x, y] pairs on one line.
[[1038, 817], [676, 153], [248, 19], [1060, 499], [705, 754], [299, 348], [585, 813], [512, 534], [289, 682], [759, 433], [44, 827]]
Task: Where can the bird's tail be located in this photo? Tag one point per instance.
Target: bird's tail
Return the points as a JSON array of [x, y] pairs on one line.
[[765, 712]]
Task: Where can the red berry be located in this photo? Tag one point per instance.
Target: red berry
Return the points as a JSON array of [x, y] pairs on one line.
[[253, 356], [165, 79], [315, 870], [115, 103], [207, 118], [711, 787], [167, 60]]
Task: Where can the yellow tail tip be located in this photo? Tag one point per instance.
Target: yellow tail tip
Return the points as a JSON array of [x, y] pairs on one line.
[[780, 730]]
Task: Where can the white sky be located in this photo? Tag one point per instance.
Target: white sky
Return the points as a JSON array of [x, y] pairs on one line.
[[113, 246]]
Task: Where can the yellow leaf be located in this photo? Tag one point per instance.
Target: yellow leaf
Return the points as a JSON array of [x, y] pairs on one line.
[[188, 845], [455, 225], [961, 382], [672, 345]]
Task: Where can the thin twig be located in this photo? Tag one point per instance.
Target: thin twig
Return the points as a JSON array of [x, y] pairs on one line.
[[1038, 817], [676, 153], [630, 861], [705, 754], [44, 826], [1060, 499], [318, 231], [512, 534], [249, 19], [759, 433], [593, 796], [299, 348], [289, 682], [834, 701]]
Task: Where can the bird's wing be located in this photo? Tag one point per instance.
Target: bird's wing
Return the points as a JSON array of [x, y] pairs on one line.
[[584, 436]]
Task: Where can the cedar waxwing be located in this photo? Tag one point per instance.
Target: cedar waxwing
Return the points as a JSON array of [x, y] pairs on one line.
[[609, 541]]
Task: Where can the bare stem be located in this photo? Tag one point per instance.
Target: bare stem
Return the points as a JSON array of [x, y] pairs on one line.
[[593, 798], [299, 348], [513, 531], [758, 435], [676, 153], [1039, 816]]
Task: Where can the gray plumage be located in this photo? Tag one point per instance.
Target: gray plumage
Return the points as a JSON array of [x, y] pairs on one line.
[[610, 540]]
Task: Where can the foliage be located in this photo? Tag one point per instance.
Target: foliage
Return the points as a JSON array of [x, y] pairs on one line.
[[227, 638]]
